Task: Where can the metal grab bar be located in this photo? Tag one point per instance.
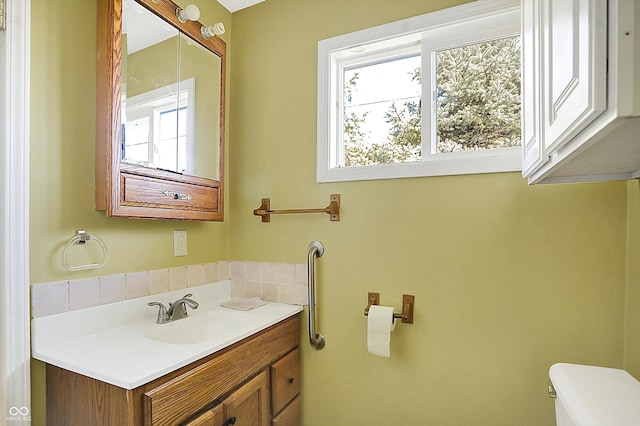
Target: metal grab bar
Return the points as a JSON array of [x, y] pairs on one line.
[[316, 249]]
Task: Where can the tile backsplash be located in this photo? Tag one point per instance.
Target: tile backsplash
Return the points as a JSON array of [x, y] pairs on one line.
[[273, 282]]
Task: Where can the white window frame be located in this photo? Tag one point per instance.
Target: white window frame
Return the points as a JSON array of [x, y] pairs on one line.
[[448, 28]]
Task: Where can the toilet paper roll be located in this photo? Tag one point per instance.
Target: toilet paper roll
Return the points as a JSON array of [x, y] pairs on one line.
[[379, 327]]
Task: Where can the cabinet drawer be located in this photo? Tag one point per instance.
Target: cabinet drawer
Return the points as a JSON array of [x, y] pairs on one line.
[[285, 380], [151, 192], [290, 416]]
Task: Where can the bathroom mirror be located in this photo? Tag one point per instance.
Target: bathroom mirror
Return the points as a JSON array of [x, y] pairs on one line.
[[161, 91]]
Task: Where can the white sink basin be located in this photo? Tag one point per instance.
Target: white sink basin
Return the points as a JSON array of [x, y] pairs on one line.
[[198, 328]]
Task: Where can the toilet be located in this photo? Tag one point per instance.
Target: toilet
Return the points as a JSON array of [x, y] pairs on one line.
[[594, 396]]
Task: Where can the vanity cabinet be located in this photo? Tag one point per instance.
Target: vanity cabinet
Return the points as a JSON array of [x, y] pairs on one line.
[[256, 381], [580, 90]]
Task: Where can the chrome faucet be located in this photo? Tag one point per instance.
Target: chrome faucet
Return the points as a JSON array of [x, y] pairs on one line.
[[177, 310]]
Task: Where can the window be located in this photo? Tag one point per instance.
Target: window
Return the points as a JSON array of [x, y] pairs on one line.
[[437, 94]]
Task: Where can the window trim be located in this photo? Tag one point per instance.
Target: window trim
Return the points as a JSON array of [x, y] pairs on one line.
[[399, 33]]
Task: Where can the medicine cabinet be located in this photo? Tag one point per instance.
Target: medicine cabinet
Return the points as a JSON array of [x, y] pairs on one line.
[[160, 114]]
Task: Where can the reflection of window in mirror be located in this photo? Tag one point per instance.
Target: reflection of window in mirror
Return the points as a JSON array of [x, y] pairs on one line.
[[172, 146], [159, 128]]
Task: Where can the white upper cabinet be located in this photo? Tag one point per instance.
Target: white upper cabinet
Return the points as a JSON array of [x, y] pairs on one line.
[[580, 90], [574, 76]]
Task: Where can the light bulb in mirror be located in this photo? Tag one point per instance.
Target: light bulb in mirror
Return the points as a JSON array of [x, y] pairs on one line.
[[212, 30], [189, 13]]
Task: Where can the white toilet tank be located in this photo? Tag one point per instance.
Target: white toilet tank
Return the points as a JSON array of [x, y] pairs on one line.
[[595, 396]]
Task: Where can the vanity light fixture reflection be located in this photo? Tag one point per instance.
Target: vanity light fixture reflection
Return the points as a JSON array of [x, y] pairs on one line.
[[212, 30], [189, 13]]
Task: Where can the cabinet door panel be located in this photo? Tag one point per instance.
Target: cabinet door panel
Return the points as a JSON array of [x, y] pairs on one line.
[[533, 155], [249, 405], [574, 67]]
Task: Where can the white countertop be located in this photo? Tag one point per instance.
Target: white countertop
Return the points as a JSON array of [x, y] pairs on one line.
[[108, 342]]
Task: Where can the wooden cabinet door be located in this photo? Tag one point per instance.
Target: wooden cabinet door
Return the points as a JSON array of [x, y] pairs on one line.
[[574, 66], [249, 404]]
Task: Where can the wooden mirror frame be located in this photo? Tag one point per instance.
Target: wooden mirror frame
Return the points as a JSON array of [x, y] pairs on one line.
[[127, 190]]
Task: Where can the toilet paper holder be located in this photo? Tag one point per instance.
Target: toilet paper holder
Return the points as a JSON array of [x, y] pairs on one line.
[[407, 306]]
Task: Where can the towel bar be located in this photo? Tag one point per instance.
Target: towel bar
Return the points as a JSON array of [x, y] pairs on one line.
[[333, 209]]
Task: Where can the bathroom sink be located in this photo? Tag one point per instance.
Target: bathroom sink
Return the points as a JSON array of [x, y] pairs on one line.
[[198, 328], [121, 344]]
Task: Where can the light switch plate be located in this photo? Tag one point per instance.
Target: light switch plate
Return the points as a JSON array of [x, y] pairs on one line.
[[179, 243]]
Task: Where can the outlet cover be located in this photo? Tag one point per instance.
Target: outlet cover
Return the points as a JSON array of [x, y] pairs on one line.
[[179, 243]]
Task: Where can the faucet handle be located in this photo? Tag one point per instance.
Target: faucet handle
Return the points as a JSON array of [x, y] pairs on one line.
[[186, 296], [163, 316], [178, 309]]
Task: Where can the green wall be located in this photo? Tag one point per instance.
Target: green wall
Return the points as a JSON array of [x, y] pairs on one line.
[[508, 278]]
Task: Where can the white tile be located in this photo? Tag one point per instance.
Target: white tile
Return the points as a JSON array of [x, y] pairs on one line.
[[238, 288], [252, 271], [286, 273], [302, 276], [269, 292], [49, 298], [159, 281], [112, 289], [295, 294], [269, 272], [237, 271], [84, 293], [223, 270], [137, 284], [178, 278], [253, 289], [195, 275], [211, 272]]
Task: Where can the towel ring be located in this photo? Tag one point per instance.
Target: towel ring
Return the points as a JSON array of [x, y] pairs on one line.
[[81, 238]]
